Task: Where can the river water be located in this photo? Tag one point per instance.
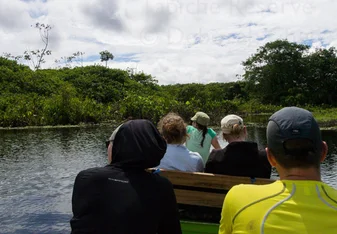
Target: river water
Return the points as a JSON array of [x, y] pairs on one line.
[[38, 168]]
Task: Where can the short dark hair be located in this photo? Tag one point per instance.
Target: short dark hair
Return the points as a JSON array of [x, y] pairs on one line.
[[298, 153]]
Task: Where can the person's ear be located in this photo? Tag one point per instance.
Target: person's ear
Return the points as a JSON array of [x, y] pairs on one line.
[[271, 158], [324, 151], [110, 153]]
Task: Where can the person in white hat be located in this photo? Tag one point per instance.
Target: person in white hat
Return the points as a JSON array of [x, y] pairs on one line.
[[239, 157]]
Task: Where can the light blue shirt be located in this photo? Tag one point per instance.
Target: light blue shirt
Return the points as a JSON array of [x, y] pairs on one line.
[[178, 157]]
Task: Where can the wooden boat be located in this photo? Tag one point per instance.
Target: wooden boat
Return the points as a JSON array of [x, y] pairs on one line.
[[200, 197]]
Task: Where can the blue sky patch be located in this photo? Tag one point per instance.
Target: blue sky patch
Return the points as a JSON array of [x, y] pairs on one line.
[[34, 14], [326, 31], [251, 24], [220, 40], [197, 40], [92, 58], [130, 57], [324, 44], [264, 37], [87, 39], [309, 42], [229, 36], [119, 58], [267, 11]]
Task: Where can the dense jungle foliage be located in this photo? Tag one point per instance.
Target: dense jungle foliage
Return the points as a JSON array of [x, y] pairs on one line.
[[278, 74]]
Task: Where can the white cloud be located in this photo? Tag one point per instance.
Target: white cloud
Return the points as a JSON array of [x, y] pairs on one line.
[[12, 14], [178, 41]]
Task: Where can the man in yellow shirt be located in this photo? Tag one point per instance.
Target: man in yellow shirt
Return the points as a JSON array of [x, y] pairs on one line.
[[297, 203]]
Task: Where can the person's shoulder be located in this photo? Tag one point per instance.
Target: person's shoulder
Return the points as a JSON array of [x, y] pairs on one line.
[[258, 187], [215, 153], [211, 132], [195, 155], [190, 128], [330, 188], [161, 181], [327, 189], [330, 192], [239, 192], [92, 173]]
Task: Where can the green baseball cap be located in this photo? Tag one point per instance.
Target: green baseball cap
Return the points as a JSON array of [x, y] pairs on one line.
[[201, 118]]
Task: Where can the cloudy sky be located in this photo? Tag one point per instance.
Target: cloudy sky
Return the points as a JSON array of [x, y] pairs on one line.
[[177, 41]]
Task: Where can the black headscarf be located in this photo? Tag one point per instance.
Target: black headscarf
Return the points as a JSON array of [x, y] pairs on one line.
[[138, 144]]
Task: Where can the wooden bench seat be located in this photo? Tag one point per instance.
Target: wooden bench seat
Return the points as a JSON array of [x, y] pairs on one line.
[[200, 195], [205, 189]]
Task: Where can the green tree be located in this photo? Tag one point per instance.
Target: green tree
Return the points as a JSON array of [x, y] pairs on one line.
[[274, 70], [105, 56], [321, 77]]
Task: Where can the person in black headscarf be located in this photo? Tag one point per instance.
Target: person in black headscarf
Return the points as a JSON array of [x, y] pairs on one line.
[[123, 197]]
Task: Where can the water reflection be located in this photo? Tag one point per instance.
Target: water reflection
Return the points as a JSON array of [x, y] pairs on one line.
[[38, 168]]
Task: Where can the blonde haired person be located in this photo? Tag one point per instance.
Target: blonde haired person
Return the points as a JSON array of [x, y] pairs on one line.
[[177, 156], [201, 137], [239, 157]]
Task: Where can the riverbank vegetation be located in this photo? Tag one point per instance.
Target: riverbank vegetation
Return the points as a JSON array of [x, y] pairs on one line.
[[278, 74]]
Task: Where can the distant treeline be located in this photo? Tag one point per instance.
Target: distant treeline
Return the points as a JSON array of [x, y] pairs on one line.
[[280, 73]]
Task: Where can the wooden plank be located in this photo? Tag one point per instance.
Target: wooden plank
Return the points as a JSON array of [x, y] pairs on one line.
[[208, 180], [189, 197]]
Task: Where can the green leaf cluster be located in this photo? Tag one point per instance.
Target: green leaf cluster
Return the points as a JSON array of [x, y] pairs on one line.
[[285, 73]]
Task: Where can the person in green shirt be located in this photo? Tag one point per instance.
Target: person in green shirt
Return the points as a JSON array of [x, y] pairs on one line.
[[297, 203], [200, 136]]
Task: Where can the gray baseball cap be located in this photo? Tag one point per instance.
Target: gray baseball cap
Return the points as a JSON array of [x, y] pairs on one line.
[[292, 123]]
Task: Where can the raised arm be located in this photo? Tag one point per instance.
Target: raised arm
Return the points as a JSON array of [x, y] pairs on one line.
[[215, 143]]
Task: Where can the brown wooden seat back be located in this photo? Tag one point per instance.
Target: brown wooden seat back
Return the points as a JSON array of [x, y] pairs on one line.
[[205, 189]]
